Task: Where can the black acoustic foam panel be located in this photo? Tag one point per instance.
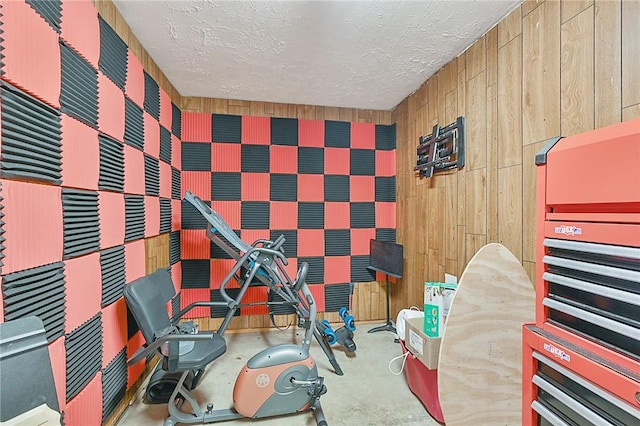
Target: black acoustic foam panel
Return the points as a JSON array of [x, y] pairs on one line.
[[31, 137], [385, 137], [196, 157], [38, 291], [311, 160], [363, 162], [363, 215], [337, 134], [174, 247], [359, 270], [79, 87], [176, 185], [132, 325], [386, 188], [84, 355], [310, 215], [2, 239], [196, 273], [336, 188], [221, 311], [112, 267], [176, 121], [226, 186], [290, 245], [284, 131], [114, 383], [111, 164], [151, 175], [134, 217], [337, 242], [165, 145], [226, 128], [133, 124], [336, 296], [81, 224], [255, 158], [151, 96], [386, 234], [113, 55], [254, 215], [165, 215], [315, 275], [191, 217], [283, 187]]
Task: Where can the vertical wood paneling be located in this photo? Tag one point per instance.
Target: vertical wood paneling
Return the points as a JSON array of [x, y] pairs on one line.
[[576, 66], [476, 124], [528, 69], [510, 27], [608, 53], [509, 103], [510, 209], [541, 73], [630, 53], [570, 8]]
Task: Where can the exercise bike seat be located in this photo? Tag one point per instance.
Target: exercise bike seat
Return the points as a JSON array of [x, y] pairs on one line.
[[147, 300]]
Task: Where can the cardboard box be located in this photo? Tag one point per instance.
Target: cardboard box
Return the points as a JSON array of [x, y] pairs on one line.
[[437, 301], [423, 347]]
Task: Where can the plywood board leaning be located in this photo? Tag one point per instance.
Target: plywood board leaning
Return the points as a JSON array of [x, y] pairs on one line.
[[479, 369]]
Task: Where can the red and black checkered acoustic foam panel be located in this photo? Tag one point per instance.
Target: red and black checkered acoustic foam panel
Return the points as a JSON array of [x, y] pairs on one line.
[[327, 186], [90, 163]]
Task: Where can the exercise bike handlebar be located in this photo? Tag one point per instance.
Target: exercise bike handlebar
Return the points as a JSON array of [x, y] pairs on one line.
[[145, 350]]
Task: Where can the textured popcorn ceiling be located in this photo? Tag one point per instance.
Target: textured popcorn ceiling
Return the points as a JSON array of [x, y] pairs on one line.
[[356, 54]]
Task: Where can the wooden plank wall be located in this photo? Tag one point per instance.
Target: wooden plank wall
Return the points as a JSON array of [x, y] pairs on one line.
[[549, 68]]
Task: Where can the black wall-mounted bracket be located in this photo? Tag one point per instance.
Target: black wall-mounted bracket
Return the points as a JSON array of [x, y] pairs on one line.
[[443, 149]]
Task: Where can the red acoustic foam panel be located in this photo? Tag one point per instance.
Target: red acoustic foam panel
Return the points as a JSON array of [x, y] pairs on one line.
[[251, 235], [114, 330], [134, 260], [84, 290], [133, 170], [362, 188], [31, 52], [226, 157], [196, 127], [283, 215], [191, 295], [151, 135], [110, 108], [32, 224], [310, 242], [80, 154], [310, 187], [256, 130], [58, 357], [386, 163], [219, 270], [199, 183], [166, 110], [134, 87], [255, 186], [255, 295], [360, 239], [311, 133], [176, 152], [230, 212], [283, 159], [83, 409], [176, 276], [194, 244], [337, 269], [337, 161], [135, 371], [363, 135], [79, 27], [337, 215], [151, 216], [176, 215], [112, 219], [317, 291], [165, 180], [385, 214]]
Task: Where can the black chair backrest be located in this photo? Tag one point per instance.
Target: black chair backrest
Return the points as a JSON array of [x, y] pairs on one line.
[[147, 300], [27, 377]]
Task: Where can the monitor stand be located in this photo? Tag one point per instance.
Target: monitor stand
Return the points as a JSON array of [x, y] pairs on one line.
[[389, 326]]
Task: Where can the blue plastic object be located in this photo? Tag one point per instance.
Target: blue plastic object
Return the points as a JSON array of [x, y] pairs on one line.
[[348, 318]]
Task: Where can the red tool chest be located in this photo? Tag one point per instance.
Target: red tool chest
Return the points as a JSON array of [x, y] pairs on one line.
[[581, 358]]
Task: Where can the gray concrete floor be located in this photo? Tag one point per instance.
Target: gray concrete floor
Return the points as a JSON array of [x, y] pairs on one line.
[[367, 394]]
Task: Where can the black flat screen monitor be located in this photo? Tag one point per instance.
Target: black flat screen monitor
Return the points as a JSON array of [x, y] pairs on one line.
[[386, 257]]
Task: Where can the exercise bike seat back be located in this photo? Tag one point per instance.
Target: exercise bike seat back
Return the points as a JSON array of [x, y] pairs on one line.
[[147, 299]]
